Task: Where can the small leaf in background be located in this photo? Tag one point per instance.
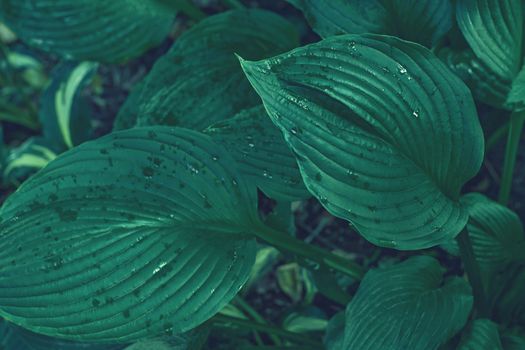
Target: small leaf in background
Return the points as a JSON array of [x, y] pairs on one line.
[[261, 153], [424, 22], [91, 30], [136, 234], [25, 160], [372, 120], [201, 70], [481, 335], [305, 322], [406, 306], [290, 281], [282, 218], [63, 114], [264, 261]]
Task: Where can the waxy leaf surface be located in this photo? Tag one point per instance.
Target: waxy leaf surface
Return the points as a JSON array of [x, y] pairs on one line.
[[384, 134], [261, 153], [422, 21], [481, 335], [140, 233], [93, 30], [406, 306], [199, 81]]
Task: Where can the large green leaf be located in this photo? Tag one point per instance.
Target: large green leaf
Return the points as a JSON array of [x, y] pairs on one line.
[[139, 233], [422, 21], [261, 153], [384, 134], [494, 31], [481, 335], [92, 30], [335, 332], [199, 81], [406, 306]]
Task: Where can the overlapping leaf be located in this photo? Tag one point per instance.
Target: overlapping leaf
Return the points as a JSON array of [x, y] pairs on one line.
[[140, 233], [481, 335], [406, 306], [422, 21], [28, 158], [261, 153], [63, 114], [199, 81], [93, 30], [516, 97], [494, 31], [486, 86], [384, 134]]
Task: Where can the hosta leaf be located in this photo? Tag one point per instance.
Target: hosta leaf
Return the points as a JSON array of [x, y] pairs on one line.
[[406, 306], [192, 340], [28, 158], [494, 31], [62, 113], [92, 30], [513, 339], [384, 134], [486, 86], [199, 81], [516, 97], [261, 153], [424, 21], [481, 335], [496, 232], [139, 233]]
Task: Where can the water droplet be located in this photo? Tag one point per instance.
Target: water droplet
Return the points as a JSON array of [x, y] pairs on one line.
[[148, 172], [251, 145], [401, 69], [215, 158], [415, 113]]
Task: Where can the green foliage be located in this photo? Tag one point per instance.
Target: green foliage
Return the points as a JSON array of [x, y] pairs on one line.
[[201, 66], [185, 227], [105, 31], [356, 107]]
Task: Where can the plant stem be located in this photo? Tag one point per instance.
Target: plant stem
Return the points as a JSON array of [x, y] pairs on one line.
[[511, 152], [473, 273], [496, 136], [235, 4], [227, 321], [310, 252], [255, 316]]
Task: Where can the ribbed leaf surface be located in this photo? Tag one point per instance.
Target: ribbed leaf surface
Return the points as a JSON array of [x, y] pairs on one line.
[[496, 232], [384, 134], [516, 97], [486, 86], [199, 81], [482, 335], [261, 153], [406, 306], [494, 30], [137, 234], [92, 30], [422, 21]]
